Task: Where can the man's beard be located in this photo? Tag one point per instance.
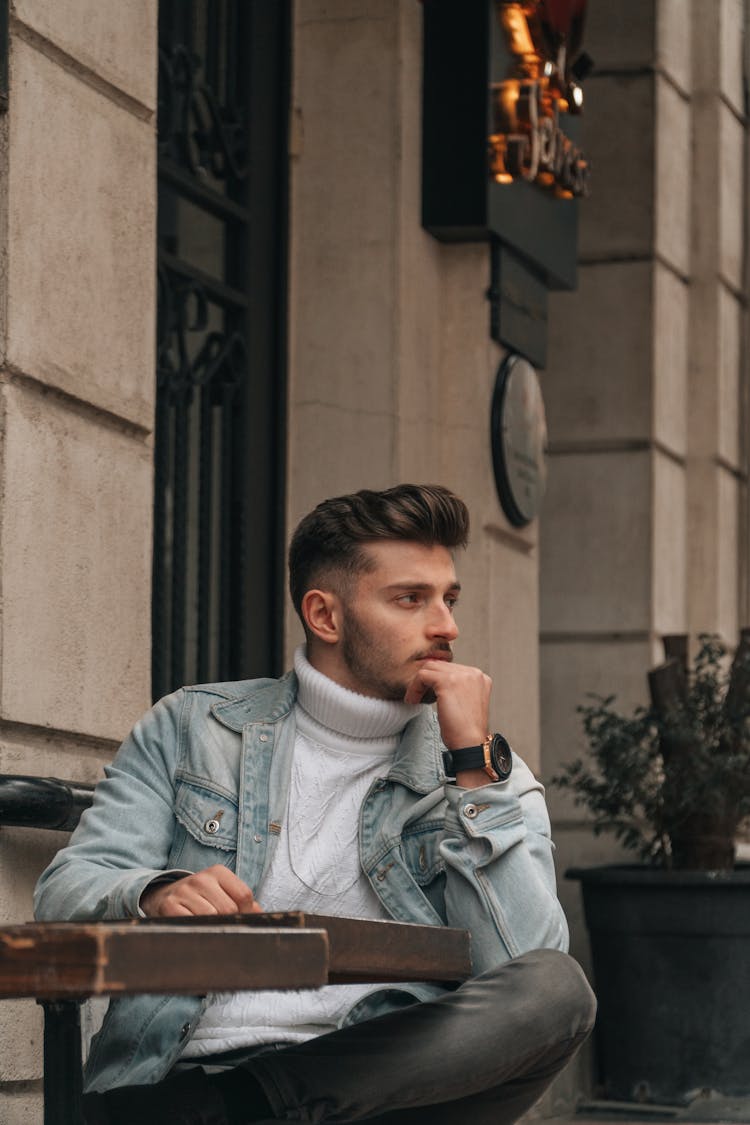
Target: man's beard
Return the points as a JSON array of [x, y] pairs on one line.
[[369, 661]]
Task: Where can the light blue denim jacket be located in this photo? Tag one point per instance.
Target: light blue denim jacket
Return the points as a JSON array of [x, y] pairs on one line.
[[480, 859]]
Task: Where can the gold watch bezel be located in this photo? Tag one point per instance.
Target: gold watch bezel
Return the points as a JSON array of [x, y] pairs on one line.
[[488, 768]]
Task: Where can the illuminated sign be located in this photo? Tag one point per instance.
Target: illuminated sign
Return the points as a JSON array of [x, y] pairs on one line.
[[527, 140]]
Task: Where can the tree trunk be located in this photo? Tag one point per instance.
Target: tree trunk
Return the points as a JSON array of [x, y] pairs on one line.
[[702, 841]]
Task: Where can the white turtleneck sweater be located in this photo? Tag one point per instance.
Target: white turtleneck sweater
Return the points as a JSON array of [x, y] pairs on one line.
[[344, 742]]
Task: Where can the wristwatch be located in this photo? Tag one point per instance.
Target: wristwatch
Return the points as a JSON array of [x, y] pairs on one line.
[[493, 756]]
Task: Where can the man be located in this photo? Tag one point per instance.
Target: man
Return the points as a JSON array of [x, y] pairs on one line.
[[337, 789]]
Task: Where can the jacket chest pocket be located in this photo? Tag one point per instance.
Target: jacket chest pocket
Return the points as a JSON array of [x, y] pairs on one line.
[[206, 828], [419, 848]]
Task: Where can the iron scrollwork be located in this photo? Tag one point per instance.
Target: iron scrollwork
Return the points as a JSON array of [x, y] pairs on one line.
[[195, 129], [221, 359]]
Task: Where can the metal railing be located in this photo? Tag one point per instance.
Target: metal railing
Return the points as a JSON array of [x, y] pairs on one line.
[[42, 802]]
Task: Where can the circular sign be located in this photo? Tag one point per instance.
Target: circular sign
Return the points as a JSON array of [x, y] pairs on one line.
[[519, 440]]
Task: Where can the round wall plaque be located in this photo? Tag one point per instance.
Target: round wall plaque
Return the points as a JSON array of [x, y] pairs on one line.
[[519, 440]]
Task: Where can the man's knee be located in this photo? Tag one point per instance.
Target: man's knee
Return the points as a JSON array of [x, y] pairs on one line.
[[554, 989], [564, 993]]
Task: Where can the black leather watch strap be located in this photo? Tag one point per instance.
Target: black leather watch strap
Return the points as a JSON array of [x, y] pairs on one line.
[[494, 756], [467, 758]]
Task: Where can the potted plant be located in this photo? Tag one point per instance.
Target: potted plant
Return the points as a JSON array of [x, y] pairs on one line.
[[670, 936]]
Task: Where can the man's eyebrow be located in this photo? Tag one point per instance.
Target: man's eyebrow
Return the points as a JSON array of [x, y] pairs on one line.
[[421, 586]]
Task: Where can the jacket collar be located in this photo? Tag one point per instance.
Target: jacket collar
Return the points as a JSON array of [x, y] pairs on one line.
[[257, 701], [417, 762]]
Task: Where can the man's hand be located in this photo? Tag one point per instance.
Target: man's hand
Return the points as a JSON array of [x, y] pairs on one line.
[[215, 890], [462, 695]]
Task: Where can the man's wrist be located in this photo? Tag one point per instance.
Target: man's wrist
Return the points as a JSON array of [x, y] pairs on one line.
[[470, 779], [466, 738], [491, 757]]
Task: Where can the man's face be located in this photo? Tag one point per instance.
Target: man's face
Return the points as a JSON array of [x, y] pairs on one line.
[[395, 616]]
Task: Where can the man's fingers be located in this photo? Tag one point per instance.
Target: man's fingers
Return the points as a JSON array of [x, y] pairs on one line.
[[416, 690], [171, 909], [240, 895], [215, 890], [462, 695], [429, 680]]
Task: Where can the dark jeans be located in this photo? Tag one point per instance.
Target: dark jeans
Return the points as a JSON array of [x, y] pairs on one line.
[[484, 1053]]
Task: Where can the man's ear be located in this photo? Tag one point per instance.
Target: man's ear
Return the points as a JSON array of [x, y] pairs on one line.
[[321, 612]]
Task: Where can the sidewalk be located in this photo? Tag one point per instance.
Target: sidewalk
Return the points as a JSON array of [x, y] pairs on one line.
[[703, 1111]]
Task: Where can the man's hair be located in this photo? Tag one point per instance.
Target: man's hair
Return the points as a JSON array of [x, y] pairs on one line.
[[328, 542]]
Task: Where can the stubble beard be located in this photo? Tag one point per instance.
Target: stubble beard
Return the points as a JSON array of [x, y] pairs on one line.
[[368, 660]]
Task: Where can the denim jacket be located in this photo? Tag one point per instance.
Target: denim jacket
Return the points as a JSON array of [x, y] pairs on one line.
[[434, 853]]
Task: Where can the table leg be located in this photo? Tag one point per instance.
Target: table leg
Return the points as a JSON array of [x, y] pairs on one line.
[[63, 1079]]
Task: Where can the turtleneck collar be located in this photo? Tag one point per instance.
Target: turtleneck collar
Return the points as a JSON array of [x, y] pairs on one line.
[[346, 712]]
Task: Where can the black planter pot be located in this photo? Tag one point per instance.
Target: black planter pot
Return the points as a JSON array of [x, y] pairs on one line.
[[671, 959]]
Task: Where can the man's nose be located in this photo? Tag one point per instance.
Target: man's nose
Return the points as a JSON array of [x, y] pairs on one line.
[[443, 623]]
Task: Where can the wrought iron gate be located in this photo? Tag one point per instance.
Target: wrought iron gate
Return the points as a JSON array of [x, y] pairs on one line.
[[218, 513]]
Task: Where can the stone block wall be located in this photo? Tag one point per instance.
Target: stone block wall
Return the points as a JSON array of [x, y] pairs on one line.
[[77, 309]]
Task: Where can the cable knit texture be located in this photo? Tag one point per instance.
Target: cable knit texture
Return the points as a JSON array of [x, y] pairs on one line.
[[344, 742]]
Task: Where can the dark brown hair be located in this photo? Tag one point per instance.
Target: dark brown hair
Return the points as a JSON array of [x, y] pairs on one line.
[[330, 538]]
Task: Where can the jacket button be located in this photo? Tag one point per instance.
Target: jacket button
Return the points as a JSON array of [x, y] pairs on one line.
[[184, 1030], [264, 738], [423, 858], [211, 826], [257, 837], [470, 811]]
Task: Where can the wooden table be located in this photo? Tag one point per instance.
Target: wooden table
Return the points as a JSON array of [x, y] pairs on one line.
[[62, 963]]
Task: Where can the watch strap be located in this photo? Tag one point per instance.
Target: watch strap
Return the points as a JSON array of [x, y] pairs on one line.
[[467, 758]]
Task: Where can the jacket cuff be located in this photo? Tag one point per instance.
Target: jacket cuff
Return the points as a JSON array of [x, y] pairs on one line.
[[479, 812]]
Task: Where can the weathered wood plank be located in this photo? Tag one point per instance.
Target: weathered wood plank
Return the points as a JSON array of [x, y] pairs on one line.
[[369, 950], [58, 960], [364, 949]]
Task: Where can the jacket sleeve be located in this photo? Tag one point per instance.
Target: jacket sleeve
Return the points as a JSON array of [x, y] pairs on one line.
[[123, 841], [500, 882]]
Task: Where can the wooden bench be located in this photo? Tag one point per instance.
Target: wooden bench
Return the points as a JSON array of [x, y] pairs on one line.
[[62, 963]]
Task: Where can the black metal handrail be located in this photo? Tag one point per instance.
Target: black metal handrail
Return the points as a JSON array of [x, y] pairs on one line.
[[42, 802]]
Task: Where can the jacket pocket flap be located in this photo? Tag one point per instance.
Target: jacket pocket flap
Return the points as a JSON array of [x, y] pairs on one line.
[[210, 817], [421, 855]]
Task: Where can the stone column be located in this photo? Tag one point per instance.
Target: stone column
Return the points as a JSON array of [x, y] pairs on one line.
[[77, 303], [716, 461]]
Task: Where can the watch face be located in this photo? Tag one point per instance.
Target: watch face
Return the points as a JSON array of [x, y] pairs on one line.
[[500, 756]]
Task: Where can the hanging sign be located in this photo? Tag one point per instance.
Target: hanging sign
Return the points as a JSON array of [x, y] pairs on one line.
[[528, 140]]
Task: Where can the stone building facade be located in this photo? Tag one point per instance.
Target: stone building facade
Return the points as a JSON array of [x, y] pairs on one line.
[[389, 376]]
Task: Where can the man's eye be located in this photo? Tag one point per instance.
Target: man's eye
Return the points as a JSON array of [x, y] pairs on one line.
[[409, 599], [451, 601]]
